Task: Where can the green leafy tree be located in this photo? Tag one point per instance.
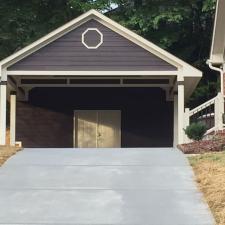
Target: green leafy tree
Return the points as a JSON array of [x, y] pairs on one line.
[[22, 22]]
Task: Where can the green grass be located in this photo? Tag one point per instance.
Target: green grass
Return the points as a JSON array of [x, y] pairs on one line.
[[218, 157]]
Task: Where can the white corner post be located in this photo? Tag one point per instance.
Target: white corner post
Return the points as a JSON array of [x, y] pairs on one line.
[[12, 118], [186, 123], [180, 83], [219, 111], [3, 89], [175, 120], [222, 81]]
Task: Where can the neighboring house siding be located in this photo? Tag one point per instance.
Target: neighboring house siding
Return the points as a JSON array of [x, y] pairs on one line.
[[69, 54], [47, 120]]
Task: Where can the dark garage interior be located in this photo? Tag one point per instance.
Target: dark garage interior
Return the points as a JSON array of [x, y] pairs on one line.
[[46, 120]]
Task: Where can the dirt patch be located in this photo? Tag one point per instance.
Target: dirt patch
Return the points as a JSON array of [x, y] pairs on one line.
[[210, 176], [6, 152]]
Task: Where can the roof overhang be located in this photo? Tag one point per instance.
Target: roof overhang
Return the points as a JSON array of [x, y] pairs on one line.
[[190, 84], [218, 39], [186, 72]]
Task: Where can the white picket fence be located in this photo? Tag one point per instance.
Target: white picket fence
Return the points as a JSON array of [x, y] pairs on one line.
[[210, 113]]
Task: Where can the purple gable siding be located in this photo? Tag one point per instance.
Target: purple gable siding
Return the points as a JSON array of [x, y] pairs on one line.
[[115, 54]]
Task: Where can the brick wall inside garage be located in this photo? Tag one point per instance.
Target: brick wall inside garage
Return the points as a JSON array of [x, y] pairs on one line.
[[41, 127]]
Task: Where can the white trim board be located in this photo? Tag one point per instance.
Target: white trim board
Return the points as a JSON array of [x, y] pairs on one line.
[[187, 69], [95, 85], [92, 73], [218, 39], [95, 77], [190, 81]]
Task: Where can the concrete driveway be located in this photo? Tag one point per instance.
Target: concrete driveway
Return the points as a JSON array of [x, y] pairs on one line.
[[103, 187]]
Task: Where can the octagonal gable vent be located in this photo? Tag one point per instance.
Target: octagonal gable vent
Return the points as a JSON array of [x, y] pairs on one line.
[[92, 38]]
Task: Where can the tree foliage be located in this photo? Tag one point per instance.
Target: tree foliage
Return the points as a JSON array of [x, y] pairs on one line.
[[24, 21], [183, 27]]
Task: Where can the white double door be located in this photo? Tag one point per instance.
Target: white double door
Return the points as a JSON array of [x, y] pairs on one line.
[[97, 128]]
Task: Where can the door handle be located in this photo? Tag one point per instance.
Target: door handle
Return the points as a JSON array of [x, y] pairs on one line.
[[99, 135]]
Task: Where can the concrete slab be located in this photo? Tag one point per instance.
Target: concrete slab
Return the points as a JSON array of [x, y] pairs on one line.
[[100, 187], [100, 157], [102, 207], [100, 177]]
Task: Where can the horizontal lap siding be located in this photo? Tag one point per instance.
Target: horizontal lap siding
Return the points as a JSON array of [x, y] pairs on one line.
[[69, 54]]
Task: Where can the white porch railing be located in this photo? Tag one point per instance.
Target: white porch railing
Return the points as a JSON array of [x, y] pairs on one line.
[[210, 113]]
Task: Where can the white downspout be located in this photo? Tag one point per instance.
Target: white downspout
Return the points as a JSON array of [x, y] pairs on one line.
[[221, 101], [220, 70]]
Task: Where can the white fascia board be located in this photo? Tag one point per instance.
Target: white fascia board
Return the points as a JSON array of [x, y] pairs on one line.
[[3, 73], [214, 31], [190, 82], [218, 38], [216, 59], [95, 85], [92, 73], [93, 14], [188, 72]]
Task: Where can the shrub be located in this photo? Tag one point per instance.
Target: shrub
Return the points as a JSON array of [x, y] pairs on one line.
[[196, 131]]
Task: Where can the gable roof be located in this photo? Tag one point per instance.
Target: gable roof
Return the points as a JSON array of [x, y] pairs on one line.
[[218, 40], [69, 53], [187, 70]]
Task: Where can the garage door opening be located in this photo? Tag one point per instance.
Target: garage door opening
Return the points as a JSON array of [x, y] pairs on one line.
[[47, 119]]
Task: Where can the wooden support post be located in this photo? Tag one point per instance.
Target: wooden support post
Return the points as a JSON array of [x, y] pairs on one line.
[[186, 123], [175, 120], [219, 110], [180, 112], [13, 118], [3, 88]]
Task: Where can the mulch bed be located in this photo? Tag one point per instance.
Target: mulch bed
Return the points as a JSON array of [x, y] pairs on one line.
[[6, 152], [215, 143]]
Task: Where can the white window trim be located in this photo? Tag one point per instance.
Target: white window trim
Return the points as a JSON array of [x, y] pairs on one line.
[[83, 37]]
